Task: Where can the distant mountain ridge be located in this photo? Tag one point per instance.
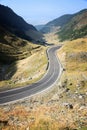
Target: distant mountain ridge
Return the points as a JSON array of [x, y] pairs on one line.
[[39, 27], [17, 25], [69, 26]]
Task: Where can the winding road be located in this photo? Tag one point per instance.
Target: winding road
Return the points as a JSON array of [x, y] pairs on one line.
[[53, 73]]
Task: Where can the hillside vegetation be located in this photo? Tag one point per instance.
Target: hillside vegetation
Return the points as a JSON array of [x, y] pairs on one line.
[[56, 23], [74, 58], [68, 27], [64, 106], [75, 28], [17, 25], [18, 41], [12, 47], [21, 61], [24, 71]]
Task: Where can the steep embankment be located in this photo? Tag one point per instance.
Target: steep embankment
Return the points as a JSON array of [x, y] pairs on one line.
[[73, 56]]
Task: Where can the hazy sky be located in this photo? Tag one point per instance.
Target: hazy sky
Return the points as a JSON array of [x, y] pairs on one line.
[[42, 11]]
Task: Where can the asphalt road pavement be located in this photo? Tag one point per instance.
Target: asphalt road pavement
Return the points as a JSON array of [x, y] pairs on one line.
[[53, 72]]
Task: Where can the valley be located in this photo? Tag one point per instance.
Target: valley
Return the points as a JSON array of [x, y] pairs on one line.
[[23, 61], [66, 100]]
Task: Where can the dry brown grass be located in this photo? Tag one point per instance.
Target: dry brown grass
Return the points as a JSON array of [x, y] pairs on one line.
[[36, 116], [28, 70], [51, 38], [75, 68], [46, 111]]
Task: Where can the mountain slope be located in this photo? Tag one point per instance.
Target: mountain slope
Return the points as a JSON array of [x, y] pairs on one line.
[[69, 26], [12, 47], [16, 25], [56, 23], [14, 32], [76, 27]]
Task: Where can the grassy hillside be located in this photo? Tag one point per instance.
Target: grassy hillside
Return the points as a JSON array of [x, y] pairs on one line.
[[75, 28], [56, 23], [20, 61], [25, 71], [71, 34], [14, 51], [69, 26], [12, 47], [64, 106], [74, 58]]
